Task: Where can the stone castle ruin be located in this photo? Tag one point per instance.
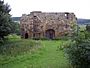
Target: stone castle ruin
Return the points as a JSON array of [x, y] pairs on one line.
[[50, 25]]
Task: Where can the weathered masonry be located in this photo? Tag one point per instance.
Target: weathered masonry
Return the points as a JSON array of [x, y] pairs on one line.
[[50, 25]]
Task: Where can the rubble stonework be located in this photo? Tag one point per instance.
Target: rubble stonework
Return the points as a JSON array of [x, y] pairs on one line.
[[51, 25]]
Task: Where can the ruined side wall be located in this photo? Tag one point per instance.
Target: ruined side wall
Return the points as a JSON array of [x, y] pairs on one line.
[[26, 25]]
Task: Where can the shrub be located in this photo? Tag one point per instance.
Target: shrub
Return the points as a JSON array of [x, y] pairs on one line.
[[79, 52], [79, 55], [88, 27]]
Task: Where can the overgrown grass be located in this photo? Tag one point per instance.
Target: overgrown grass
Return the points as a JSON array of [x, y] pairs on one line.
[[22, 53], [18, 47], [15, 48]]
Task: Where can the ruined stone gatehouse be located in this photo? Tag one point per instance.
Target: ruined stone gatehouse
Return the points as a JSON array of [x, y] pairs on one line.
[[50, 25]]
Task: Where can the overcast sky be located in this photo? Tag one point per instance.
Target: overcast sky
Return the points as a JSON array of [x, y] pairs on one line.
[[80, 7]]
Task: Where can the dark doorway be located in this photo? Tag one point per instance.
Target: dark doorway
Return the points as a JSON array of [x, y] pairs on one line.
[[50, 34], [26, 35]]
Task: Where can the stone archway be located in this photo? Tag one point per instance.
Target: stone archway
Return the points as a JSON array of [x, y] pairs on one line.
[[26, 35], [50, 34]]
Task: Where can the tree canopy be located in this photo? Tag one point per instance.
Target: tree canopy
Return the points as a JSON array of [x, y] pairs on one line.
[[5, 20]]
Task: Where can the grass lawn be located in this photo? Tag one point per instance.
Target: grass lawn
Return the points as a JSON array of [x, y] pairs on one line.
[[46, 57]]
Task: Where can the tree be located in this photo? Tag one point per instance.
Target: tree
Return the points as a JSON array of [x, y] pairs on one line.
[[5, 20], [16, 29]]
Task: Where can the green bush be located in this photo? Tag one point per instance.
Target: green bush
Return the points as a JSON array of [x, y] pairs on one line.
[[79, 52], [79, 55], [88, 27]]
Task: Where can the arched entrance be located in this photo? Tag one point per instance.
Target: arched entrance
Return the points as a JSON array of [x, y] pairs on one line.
[[26, 35], [50, 33]]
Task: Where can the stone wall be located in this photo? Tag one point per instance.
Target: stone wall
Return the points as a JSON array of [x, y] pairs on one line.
[[37, 23]]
